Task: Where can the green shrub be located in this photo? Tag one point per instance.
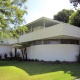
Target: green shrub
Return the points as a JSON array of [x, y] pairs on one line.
[[0, 56], [78, 58], [18, 54], [5, 55], [57, 61], [11, 54]]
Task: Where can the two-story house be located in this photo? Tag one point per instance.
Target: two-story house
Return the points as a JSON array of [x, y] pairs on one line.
[[50, 40]]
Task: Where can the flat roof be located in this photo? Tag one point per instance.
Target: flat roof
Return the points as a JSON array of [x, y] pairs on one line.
[[39, 22]]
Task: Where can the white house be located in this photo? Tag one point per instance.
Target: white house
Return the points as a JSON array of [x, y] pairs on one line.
[[50, 40]]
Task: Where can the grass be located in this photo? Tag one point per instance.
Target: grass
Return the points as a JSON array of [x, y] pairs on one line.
[[21, 70]]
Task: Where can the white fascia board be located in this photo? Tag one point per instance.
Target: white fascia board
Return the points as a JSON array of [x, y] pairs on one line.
[[70, 30]]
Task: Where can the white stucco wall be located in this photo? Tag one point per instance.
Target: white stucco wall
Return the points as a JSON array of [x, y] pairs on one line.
[[61, 52], [5, 49]]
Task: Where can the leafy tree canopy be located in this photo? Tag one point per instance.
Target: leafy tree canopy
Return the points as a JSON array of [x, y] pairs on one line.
[[75, 3], [75, 18], [63, 15], [11, 16]]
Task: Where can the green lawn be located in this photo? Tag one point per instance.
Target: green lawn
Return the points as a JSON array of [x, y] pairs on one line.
[[20, 70]]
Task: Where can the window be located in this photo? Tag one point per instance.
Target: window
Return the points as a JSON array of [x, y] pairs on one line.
[[72, 41], [77, 41], [55, 41], [34, 43], [46, 42], [39, 42], [65, 41]]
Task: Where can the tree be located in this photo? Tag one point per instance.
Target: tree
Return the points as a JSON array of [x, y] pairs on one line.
[[63, 15], [75, 18], [11, 16], [75, 3]]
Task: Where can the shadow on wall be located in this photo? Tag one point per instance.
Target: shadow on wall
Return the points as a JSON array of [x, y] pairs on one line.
[[35, 68]]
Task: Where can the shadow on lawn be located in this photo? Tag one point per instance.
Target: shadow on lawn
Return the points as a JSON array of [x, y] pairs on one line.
[[34, 68]]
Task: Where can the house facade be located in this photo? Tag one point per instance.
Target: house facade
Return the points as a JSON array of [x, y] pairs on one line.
[[49, 40]]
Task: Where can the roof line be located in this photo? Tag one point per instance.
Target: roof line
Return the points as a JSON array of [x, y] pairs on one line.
[[43, 19]]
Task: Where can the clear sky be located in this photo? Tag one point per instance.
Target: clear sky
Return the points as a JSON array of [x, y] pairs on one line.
[[46, 8]]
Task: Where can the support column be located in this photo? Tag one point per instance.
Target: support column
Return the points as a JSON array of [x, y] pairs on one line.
[[31, 29], [44, 24], [15, 51], [25, 52]]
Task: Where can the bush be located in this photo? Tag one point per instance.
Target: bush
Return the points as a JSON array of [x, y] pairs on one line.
[[30, 60], [18, 54], [57, 61], [0, 56], [11, 54], [78, 58], [36, 60], [5, 55]]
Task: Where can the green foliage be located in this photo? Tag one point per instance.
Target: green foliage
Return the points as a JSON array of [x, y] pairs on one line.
[[11, 16], [18, 54], [63, 15], [75, 3], [78, 58], [75, 18], [0, 56], [5, 55], [11, 54], [21, 29]]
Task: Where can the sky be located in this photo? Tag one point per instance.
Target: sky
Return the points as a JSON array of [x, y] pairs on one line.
[[46, 8]]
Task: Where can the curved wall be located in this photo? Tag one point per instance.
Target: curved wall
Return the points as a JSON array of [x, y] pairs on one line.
[[50, 52]]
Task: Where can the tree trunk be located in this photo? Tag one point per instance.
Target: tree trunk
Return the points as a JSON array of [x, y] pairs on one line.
[[22, 53], [15, 51], [26, 53]]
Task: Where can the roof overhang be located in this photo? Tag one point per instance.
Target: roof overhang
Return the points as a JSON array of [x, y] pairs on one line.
[[40, 21]]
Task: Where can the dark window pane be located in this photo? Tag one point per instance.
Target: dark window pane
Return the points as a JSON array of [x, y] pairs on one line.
[[46, 42], [34, 43], [77, 41], [55, 41], [38, 42], [64, 41], [72, 41]]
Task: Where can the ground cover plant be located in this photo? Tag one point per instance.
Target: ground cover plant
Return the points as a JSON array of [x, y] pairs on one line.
[[26, 70]]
